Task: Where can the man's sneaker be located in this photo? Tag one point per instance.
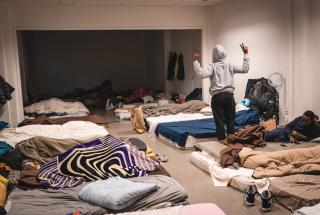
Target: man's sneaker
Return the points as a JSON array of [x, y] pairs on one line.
[[249, 196], [266, 200]]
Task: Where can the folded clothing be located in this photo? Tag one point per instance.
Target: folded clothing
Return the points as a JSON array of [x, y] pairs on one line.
[[115, 193]]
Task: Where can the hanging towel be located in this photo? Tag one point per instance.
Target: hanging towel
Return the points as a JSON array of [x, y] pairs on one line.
[[5, 91], [180, 74]]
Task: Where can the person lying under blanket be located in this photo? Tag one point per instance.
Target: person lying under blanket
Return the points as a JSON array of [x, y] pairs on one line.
[[302, 128]]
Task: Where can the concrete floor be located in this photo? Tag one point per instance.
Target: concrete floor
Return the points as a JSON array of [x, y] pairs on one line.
[[197, 183]]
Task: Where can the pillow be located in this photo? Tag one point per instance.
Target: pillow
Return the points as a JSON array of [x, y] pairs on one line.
[[115, 193], [212, 148], [316, 140]]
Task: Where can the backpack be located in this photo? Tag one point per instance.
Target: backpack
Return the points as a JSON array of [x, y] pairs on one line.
[[264, 98]]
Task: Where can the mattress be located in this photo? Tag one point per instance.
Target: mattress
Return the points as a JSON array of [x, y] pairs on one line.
[[239, 179], [178, 132], [213, 148], [190, 143], [56, 107], [124, 113], [203, 209], [64, 201], [153, 122], [296, 191]]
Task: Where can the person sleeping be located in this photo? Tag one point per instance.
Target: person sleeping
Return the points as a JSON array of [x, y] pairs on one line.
[[302, 128]]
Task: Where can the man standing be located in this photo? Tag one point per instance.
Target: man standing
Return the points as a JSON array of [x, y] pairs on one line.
[[221, 88]]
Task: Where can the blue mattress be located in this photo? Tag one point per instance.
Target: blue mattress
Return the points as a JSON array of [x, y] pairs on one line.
[[179, 131]]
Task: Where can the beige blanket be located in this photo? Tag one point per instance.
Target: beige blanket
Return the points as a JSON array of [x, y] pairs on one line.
[[192, 106], [281, 163], [44, 149]]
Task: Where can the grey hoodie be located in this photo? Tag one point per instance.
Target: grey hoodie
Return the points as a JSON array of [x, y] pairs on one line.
[[220, 71]]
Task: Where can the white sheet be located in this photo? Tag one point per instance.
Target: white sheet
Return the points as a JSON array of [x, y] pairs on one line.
[[153, 122], [78, 130], [190, 142], [58, 106]]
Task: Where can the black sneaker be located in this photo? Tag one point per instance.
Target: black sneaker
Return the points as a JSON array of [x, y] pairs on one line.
[[249, 196], [266, 200]]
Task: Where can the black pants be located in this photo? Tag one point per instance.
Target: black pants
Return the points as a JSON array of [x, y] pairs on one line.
[[224, 112]]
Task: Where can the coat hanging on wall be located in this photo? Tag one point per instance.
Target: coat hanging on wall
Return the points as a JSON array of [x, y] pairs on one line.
[[180, 74], [5, 91], [171, 65]]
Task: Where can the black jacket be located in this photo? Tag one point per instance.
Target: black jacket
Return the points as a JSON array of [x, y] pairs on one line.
[[5, 91]]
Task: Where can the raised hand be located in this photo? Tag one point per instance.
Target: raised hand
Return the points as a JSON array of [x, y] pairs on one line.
[[244, 48], [196, 55]]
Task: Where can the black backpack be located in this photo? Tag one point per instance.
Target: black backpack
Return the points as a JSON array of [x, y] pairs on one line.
[[264, 98]]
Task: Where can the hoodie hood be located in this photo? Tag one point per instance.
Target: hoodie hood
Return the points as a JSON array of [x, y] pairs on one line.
[[219, 54]]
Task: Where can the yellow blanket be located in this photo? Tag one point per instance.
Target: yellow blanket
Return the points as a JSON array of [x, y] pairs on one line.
[[3, 190]]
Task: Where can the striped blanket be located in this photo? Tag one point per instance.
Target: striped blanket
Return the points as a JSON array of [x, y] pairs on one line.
[[99, 159]]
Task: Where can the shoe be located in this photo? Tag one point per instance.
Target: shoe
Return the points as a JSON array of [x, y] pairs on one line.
[[249, 196], [266, 200]]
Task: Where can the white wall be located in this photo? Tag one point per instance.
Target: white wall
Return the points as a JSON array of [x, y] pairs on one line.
[[283, 36], [61, 61], [9, 66], [264, 26], [87, 17], [184, 42], [306, 34], [81, 16], [315, 26], [4, 112], [155, 62]]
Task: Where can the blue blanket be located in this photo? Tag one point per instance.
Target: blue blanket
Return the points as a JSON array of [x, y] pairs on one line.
[[179, 131]]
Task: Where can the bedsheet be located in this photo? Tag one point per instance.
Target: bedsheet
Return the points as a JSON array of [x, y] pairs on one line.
[[153, 122]]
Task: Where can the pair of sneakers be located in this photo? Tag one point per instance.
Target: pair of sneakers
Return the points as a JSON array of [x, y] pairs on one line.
[[266, 198]]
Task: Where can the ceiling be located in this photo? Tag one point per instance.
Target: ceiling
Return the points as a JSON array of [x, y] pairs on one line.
[[125, 2]]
